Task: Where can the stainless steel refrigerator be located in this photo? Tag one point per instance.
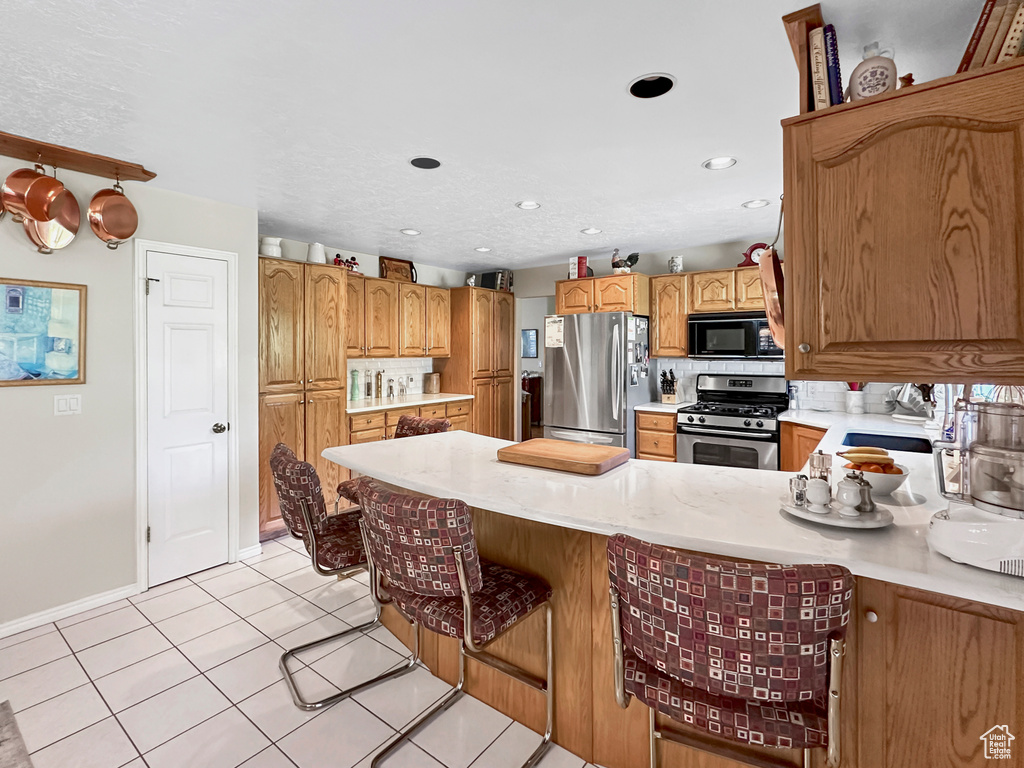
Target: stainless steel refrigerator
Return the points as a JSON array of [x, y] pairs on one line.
[[597, 368]]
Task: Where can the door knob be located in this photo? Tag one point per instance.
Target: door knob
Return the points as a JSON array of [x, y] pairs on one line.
[[218, 428], [805, 348]]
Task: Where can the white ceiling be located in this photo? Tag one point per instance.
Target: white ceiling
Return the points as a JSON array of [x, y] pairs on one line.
[[310, 111]]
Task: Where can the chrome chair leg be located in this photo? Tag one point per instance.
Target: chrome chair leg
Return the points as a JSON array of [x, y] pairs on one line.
[[310, 706], [549, 693]]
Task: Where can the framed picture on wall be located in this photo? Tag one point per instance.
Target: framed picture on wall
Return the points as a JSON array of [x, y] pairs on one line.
[[42, 333], [529, 342]]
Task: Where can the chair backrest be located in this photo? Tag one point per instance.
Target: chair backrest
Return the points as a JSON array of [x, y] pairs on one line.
[[297, 480], [409, 426], [411, 540], [747, 630]]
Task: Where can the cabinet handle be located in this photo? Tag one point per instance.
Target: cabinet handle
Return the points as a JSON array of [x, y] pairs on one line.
[[655, 442], [871, 616], [805, 348]]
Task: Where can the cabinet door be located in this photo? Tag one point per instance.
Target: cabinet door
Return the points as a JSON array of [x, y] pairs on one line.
[[282, 420], [504, 328], [325, 342], [367, 436], [712, 291], [483, 410], [503, 422], [281, 326], [614, 294], [903, 226], [749, 294], [355, 317], [935, 673], [481, 332], [439, 322], [412, 316], [459, 423], [573, 297], [668, 316], [326, 424], [797, 443], [381, 297]]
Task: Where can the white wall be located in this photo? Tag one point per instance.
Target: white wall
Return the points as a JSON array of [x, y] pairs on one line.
[[67, 485]]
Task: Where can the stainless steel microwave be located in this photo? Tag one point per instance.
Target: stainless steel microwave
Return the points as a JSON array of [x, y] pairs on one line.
[[732, 335]]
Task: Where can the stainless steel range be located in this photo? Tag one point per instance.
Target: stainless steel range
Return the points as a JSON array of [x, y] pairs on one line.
[[734, 422]]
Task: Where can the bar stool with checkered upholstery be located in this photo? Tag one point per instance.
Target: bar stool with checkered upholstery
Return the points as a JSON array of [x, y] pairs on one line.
[[423, 558], [748, 653], [408, 426], [335, 546]]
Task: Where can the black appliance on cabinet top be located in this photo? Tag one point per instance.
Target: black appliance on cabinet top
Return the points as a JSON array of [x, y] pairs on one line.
[[734, 422]]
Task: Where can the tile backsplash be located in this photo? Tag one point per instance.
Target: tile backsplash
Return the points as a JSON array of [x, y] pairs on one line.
[[813, 395], [393, 368]]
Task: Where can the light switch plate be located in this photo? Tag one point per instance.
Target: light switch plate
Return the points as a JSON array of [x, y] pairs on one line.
[[67, 405]]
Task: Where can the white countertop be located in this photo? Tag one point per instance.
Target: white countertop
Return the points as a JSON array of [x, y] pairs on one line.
[[368, 404], [659, 407], [716, 510]]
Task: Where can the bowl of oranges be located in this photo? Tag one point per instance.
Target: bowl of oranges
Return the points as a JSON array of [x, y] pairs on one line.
[[882, 473]]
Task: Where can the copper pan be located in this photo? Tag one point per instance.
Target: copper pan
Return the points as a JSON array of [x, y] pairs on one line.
[[50, 236], [112, 216], [30, 193]]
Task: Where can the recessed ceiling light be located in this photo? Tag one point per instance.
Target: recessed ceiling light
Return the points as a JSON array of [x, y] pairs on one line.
[[426, 163], [409, 231], [482, 250], [591, 231], [528, 205], [719, 163], [652, 85], [756, 203]]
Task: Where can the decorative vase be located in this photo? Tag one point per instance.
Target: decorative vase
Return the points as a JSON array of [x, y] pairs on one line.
[[855, 402], [316, 254], [675, 264], [875, 75], [270, 246]]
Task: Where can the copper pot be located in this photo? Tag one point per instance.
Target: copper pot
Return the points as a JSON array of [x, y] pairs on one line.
[[112, 216], [30, 193], [50, 236]]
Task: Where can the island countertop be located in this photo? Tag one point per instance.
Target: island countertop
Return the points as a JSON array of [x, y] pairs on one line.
[[716, 510]]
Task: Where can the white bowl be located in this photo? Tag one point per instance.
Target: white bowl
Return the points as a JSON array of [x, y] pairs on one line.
[[273, 251], [884, 485]]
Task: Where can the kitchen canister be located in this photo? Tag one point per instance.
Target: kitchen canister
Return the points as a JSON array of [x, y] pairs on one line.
[[270, 246], [855, 401], [675, 264], [431, 383], [316, 254]]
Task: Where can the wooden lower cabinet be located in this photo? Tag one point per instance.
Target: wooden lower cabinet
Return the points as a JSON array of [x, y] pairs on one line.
[[503, 424], [433, 411], [326, 427], [282, 420], [463, 423], [367, 436], [797, 443], [483, 406], [656, 436]]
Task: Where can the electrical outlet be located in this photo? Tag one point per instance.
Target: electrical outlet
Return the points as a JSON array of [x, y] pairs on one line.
[[67, 405]]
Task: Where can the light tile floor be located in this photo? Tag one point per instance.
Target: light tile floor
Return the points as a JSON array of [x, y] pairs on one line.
[[185, 675]]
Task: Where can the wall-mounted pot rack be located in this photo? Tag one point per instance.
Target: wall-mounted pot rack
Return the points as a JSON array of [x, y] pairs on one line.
[[69, 159]]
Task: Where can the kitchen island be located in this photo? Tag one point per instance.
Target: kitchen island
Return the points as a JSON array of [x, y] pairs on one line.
[[936, 649]]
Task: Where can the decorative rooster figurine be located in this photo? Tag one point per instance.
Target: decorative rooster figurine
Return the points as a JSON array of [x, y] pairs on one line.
[[620, 266]]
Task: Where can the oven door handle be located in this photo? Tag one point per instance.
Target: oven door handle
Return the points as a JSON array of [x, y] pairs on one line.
[[722, 432]]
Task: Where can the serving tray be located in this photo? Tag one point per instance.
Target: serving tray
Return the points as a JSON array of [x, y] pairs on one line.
[[880, 518]]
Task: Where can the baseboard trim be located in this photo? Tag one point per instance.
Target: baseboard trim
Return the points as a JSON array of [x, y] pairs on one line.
[[245, 554], [68, 609]]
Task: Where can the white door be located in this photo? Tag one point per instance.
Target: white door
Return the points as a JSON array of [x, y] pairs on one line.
[[187, 335]]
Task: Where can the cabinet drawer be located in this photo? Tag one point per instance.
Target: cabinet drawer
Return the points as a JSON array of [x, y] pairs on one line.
[[656, 443], [459, 423], [433, 411], [391, 417], [366, 436], [652, 457], [656, 422], [363, 421], [460, 409]]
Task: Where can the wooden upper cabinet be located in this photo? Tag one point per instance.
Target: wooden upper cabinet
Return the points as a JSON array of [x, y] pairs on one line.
[[713, 291], [282, 348], [412, 320], [325, 342], [573, 297], [355, 320], [481, 332], [749, 294], [668, 316], [439, 322], [905, 235], [503, 330], [613, 294], [381, 313]]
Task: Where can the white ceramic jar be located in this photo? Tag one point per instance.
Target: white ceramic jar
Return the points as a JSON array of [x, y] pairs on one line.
[[316, 254]]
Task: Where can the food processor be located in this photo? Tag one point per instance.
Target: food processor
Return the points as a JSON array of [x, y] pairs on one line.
[[984, 524]]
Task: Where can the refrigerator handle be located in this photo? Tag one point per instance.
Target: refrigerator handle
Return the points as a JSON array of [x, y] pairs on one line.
[[617, 389]]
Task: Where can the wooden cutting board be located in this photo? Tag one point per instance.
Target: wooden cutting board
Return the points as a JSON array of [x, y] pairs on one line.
[[580, 458]]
